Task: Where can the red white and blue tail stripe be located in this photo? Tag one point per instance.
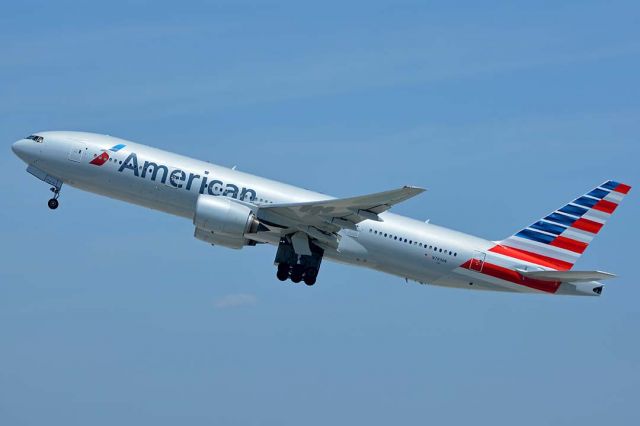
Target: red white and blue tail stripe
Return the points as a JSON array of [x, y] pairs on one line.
[[559, 239]]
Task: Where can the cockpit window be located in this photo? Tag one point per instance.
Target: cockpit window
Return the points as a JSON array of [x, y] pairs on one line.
[[36, 138]]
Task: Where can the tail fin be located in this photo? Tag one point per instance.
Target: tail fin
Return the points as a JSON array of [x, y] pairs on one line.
[[559, 239]]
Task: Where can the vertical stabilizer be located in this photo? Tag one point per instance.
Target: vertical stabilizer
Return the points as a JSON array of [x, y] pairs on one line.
[[557, 241]]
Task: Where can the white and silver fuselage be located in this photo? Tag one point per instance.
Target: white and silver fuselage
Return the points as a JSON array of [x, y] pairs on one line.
[[397, 245]]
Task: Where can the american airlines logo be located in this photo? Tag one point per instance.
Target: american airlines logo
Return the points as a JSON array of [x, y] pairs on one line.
[[181, 179], [104, 157]]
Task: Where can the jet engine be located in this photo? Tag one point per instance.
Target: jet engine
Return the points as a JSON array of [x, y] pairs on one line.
[[221, 221]]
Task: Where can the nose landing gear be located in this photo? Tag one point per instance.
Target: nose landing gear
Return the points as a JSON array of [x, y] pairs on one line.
[[53, 202]]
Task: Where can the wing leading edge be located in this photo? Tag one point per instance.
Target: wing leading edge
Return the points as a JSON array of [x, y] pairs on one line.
[[322, 219]]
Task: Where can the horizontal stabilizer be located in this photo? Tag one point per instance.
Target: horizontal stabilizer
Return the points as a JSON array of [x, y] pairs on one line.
[[566, 276]]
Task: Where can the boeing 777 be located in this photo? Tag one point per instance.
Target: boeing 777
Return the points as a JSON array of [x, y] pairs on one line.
[[233, 209]]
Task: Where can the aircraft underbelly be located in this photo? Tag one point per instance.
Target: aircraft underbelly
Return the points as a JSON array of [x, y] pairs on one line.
[[146, 194]]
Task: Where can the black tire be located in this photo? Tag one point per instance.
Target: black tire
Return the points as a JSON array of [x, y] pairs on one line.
[[310, 276], [296, 273], [53, 204], [283, 272]]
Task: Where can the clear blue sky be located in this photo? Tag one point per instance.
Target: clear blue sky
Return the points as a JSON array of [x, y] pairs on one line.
[[113, 314]]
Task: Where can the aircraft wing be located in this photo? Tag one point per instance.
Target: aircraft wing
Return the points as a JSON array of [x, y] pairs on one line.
[[567, 276], [321, 220]]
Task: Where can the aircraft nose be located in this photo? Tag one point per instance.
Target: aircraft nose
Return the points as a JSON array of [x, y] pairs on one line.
[[18, 147], [23, 149]]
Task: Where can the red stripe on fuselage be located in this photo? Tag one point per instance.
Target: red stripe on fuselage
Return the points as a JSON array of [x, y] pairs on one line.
[[587, 225], [510, 275], [531, 257], [569, 244]]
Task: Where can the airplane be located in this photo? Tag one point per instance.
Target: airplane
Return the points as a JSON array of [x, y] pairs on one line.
[[233, 209]]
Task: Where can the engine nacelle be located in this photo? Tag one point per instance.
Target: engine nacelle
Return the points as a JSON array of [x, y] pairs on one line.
[[222, 240], [221, 221]]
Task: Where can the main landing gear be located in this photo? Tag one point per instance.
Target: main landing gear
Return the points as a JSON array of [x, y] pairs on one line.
[[53, 203], [297, 273], [298, 267]]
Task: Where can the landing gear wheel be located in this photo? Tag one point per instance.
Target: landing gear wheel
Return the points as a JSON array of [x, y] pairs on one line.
[[296, 273], [310, 276], [283, 271], [53, 203]]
